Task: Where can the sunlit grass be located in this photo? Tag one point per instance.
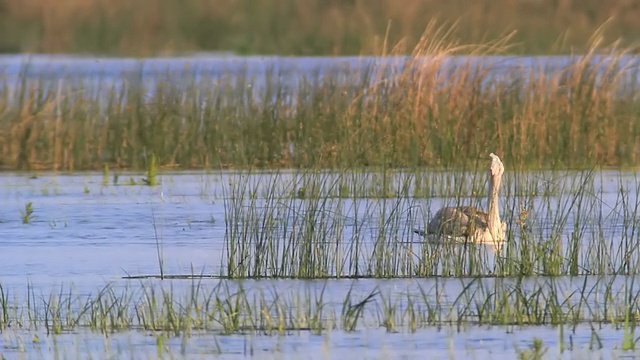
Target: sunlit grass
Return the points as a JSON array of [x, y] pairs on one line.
[[431, 109]]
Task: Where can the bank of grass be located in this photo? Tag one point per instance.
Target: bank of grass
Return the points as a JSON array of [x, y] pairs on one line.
[[290, 27], [432, 108]]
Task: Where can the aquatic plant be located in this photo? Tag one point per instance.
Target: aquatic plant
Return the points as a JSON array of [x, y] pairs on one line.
[[272, 232], [159, 247], [229, 307], [152, 170], [105, 176], [536, 351], [27, 213]]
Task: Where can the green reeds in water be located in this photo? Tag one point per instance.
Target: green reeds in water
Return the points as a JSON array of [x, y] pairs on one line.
[[228, 307], [152, 170], [559, 223], [105, 175]]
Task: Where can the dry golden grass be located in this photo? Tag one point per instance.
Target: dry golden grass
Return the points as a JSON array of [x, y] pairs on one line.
[[433, 108]]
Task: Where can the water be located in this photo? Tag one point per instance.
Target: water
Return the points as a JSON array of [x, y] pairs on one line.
[[99, 75], [471, 343], [80, 227], [206, 65], [86, 234]]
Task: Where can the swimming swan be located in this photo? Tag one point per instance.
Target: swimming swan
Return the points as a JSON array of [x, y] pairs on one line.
[[471, 224]]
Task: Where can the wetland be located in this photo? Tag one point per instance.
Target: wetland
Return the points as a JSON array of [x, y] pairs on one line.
[[240, 263], [229, 206]]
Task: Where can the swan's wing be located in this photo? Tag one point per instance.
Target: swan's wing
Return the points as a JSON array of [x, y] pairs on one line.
[[456, 221], [475, 216], [449, 221]]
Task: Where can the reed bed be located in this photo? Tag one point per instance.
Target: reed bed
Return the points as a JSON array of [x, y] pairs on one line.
[[231, 308], [289, 27], [432, 108], [322, 224]]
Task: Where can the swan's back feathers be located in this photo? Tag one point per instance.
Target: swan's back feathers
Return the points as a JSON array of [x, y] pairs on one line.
[[458, 221]]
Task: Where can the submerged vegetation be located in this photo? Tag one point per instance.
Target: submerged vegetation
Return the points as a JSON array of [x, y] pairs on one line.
[[429, 109]]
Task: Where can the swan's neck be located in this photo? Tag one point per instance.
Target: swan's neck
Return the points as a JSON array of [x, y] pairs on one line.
[[493, 222]]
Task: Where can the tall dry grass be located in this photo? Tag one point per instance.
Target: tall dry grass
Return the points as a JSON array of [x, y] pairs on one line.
[[290, 27], [433, 108]]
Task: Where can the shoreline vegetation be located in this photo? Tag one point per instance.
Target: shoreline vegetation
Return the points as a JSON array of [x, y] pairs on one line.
[[423, 112], [302, 28]]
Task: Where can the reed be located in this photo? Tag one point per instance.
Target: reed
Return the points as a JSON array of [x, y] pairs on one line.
[[152, 171], [536, 351], [227, 308], [432, 108], [575, 228], [159, 246], [105, 175]]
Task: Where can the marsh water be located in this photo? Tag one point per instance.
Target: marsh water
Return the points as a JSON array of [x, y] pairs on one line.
[[86, 232], [101, 75]]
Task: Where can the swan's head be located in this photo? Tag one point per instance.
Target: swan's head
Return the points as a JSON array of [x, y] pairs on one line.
[[496, 167]]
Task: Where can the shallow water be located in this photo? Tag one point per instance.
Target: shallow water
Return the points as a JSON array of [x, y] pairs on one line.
[[215, 65], [108, 232], [86, 234], [96, 74], [468, 343]]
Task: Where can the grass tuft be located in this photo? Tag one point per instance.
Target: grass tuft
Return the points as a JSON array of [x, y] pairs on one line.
[[27, 214]]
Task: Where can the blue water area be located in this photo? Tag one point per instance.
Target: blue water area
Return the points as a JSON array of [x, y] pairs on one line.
[[97, 75], [469, 343]]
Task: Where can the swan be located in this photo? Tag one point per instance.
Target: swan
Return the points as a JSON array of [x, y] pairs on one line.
[[466, 223]]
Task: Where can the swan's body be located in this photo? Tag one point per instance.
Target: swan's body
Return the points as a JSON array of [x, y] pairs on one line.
[[470, 224]]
